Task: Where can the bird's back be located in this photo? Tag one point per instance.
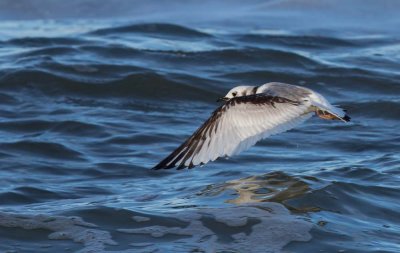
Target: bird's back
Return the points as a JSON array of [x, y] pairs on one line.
[[289, 91]]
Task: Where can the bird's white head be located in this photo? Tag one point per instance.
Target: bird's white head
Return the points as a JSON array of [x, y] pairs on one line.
[[239, 91]]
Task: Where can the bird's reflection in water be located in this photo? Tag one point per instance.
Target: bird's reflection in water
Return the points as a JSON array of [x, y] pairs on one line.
[[271, 187]]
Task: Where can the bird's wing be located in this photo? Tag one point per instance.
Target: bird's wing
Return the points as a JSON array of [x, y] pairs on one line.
[[236, 126]]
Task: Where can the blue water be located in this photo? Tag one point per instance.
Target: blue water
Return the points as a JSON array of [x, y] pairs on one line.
[[92, 96]]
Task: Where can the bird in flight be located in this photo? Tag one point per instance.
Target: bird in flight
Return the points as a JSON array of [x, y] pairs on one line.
[[249, 114]]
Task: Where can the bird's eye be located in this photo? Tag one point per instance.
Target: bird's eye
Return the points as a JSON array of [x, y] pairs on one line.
[[234, 94]]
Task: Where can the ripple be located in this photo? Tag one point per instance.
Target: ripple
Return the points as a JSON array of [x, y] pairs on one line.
[[42, 149], [44, 41], [77, 128], [360, 200], [257, 55], [27, 195], [377, 109], [6, 99], [114, 51], [47, 51], [26, 126], [119, 170], [297, 41]]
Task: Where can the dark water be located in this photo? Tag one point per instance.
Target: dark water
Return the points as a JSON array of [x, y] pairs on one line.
[[87, 106]]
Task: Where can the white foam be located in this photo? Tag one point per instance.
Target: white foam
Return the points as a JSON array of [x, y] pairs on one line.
[[62, 228], [256, 227], [274, 229]]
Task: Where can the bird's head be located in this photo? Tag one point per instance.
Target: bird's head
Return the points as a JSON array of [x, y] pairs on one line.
[[238, 92]]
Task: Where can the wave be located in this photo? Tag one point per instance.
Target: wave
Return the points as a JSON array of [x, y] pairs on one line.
[[136, 85], [269, 57], [152, 28]]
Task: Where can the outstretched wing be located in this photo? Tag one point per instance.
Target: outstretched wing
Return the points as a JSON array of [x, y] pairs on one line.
[[236, 126]]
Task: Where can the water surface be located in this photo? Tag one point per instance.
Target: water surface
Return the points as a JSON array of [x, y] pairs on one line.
[[89, 105]]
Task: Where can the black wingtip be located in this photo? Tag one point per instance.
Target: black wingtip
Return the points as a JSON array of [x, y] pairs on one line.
[[346, 118], [162, 166]]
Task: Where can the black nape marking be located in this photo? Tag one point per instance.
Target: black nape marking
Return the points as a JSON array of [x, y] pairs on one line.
[[254, 91]]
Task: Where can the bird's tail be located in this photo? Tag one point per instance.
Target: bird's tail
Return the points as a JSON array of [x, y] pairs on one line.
[[325, 110]]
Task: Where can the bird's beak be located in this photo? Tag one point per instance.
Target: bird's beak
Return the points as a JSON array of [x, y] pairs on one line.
[[222, 99]]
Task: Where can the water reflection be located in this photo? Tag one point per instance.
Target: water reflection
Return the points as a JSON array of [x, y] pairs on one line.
[[270, 187]]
